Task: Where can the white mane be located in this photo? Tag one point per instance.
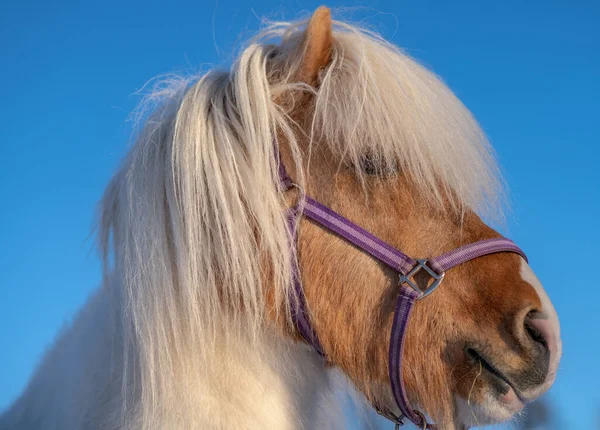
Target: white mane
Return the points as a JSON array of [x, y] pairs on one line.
[[194, 213]]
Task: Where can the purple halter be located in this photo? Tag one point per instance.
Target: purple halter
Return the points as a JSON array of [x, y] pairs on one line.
[[405, 266]]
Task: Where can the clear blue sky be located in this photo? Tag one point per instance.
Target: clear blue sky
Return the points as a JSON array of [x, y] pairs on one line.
[[530, 73]]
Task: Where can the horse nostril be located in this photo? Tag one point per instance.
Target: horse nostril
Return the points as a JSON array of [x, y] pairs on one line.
[[538, 330], [535, 334]]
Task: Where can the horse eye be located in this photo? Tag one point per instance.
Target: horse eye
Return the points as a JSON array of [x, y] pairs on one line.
[[376, 167]]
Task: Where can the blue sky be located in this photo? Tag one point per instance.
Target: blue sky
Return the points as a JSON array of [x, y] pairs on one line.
[[530, 72]]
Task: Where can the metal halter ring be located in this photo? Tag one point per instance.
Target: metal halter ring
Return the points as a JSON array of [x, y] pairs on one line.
[[422, 264], [422, 417]]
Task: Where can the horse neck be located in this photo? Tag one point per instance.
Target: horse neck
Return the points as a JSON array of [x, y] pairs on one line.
[[277, 383], [260, 381]]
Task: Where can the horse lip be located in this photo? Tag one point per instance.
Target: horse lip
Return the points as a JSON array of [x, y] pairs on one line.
[[493, 370]]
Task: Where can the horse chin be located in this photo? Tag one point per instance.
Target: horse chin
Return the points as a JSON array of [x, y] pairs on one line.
[[493, 409]]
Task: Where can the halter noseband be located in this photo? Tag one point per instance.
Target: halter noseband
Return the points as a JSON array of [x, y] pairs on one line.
[[405, 266]]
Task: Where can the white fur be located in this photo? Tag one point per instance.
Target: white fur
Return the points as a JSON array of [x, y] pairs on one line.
[[178, 336], [550, 313], [489, 411]]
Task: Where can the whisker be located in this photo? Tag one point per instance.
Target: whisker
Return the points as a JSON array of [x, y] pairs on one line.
[[469, 373], [471, 392]]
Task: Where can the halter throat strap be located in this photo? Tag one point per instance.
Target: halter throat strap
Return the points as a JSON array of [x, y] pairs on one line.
[[409, 292]]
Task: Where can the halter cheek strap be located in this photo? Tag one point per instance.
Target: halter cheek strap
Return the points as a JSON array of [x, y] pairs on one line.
[[409, 291]]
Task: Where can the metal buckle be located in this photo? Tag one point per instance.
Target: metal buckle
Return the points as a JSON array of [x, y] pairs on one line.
[[398, 421], [422, 264]]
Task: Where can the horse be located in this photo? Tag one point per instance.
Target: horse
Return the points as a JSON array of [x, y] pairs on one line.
[[226, 302]]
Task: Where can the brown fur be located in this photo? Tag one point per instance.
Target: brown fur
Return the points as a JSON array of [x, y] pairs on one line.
[[351, 296]]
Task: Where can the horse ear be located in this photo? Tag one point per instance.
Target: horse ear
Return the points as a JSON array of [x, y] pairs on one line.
[[316, 45]]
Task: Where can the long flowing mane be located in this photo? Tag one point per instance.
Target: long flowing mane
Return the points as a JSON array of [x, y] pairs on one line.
[[192, 225]]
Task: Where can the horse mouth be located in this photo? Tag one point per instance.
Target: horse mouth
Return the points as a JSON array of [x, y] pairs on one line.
[[500, 382]]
